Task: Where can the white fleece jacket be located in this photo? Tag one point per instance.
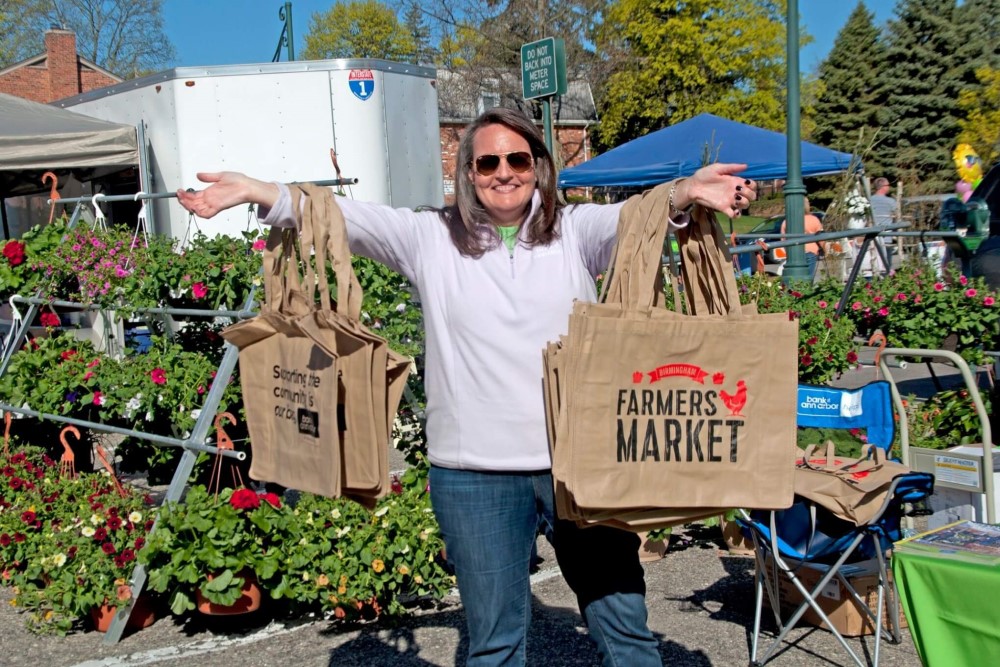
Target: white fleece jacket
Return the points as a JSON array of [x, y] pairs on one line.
[[487, 321]]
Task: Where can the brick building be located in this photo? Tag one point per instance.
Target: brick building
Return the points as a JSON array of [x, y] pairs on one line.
[[55, 74], [460, 100]]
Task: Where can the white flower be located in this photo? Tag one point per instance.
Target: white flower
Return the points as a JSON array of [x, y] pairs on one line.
[[857, 204], [135, 517], [195, 414], [343, 531], [381, 511], [401, 307], [59, 560], [149, 416], [335, 513], [87, 531], [96, 519], [133, 405]]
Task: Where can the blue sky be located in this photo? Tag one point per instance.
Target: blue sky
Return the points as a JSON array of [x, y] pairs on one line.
[[226, 32]]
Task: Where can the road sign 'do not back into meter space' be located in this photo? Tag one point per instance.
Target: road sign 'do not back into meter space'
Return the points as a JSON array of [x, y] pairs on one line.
[[543, 68]]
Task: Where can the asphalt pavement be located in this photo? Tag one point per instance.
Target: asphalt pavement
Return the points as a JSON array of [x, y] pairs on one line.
[[700, 601]]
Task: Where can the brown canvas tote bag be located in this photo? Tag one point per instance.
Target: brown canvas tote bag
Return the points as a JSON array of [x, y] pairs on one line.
[[677, 412], [385, 371], [853, 489], [290, 384]]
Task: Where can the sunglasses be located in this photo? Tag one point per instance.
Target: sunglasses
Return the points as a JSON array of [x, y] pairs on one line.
[[518, 161]]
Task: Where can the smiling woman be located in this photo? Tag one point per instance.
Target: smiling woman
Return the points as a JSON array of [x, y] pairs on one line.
[[498, 273]]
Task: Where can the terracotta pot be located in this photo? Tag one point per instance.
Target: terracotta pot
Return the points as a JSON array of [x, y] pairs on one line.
[[142, 615], [248, 601], [736, 542], [651, 550]]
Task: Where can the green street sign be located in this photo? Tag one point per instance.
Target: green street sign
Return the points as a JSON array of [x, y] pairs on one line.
[[543, 68]]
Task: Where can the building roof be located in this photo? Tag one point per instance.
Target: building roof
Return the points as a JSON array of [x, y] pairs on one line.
[[39, 60], [461, 94]]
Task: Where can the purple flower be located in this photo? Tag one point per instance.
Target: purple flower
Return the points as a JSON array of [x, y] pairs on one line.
[[72, 396]]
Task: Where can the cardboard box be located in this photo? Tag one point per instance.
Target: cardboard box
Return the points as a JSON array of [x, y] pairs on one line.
[[835, 600]]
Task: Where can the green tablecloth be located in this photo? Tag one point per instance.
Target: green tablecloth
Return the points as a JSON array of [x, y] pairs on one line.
[[953, 608]]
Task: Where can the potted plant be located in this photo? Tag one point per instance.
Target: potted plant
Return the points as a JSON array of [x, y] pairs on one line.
[[826, 342], [355, 562], [212, 273], [213, 545], [68, 543], [23, 260]]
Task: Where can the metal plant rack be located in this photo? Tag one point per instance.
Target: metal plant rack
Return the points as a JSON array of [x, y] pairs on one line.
[[191, 445]]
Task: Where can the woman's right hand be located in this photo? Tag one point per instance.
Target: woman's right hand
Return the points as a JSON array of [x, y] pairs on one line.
[[227, 189]]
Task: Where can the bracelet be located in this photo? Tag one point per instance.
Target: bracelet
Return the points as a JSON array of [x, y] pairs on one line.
[[671, 209]]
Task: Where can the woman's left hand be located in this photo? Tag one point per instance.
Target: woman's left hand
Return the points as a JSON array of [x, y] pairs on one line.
[[718, 187]]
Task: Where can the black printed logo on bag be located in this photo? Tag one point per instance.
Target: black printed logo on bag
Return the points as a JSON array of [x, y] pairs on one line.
[[680, 424], [308, 422]]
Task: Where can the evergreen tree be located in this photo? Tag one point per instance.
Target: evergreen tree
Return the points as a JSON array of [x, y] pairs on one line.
[[847, 107], [923, 76], [424, 53]]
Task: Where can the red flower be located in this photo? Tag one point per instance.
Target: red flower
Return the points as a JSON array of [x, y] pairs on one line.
[[101, 534], [114, 522], [272, 499], [852, 357], [49, 319], [199, 290], [140, 542], [67, 354], [158, 376], [806, 360], [28, 517], [812, 341], [4, 540], [108, 548], [14, 252], [244, 499], [396, 487]]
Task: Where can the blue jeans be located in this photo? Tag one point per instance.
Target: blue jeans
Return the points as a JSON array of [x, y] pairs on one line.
[[489, 522]]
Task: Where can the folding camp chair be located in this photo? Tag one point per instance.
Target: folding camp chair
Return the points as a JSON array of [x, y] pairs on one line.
[[808, 536]]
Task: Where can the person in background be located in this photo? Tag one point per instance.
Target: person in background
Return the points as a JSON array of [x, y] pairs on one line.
[[885, 211], [498, 273], [810, 225]]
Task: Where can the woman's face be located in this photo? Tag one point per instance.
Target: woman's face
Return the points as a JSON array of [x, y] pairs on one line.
[[505, 194]]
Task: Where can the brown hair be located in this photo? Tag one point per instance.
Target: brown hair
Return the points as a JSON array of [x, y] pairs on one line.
[[471, 227]]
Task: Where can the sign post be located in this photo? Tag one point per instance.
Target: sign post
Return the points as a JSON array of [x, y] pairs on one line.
[[543, 75]]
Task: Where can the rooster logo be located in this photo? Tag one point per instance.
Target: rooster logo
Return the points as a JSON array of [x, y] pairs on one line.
[[735, 402]]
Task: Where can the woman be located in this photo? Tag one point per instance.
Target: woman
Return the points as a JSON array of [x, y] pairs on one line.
[[497, 274]]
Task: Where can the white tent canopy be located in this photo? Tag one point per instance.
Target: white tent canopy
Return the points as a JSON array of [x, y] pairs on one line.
[[35, 138]]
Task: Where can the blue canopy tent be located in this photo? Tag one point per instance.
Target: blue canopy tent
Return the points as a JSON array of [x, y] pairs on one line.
[[679, 150]]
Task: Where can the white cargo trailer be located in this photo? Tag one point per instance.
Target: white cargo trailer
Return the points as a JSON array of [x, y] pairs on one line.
[[279, 122]]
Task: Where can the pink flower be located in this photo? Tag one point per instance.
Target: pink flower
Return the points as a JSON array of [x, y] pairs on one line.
[[938, 287], [988, 301], [120, 272], [900, 297], [822, 304], [260, 244], [158, 376], [93, 363], [199, 290], [98, 398], [877, 299], [970, 292], [917, 298], [883, 311], [963, 281], [88, 375], [856, 305]]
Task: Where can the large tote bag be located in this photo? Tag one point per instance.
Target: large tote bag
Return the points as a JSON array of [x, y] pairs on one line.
[[664, 410], [314, 379]]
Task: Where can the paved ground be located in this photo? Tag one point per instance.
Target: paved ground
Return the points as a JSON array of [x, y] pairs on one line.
[[700, 600]]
